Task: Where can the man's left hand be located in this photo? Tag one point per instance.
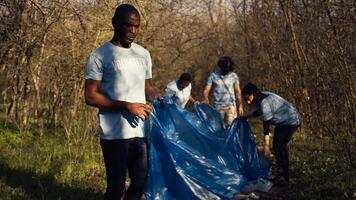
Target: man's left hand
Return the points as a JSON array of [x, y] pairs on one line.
[[159, 96]]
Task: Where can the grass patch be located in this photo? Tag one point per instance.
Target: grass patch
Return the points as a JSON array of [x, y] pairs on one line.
[[51, 167], [319, 168], [320, 171], [47, 167]]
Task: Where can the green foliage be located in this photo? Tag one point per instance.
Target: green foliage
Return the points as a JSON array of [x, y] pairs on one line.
[[302, 50], [51, 167], [48, 167], [318, 172], [318, 169]]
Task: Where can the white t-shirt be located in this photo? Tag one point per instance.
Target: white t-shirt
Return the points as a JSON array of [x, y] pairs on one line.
[[122, 72], [180, 96]]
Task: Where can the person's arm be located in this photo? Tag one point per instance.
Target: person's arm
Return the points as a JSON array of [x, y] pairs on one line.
[[191, 99], [206, 94], [169, 92], [267, 139], [151, 91], [239, 99], [94, 97]]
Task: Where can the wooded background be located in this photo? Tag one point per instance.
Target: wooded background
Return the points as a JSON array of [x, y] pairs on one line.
[[303, 50]]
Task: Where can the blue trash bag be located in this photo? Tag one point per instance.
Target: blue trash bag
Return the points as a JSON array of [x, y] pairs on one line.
[[193, 156]]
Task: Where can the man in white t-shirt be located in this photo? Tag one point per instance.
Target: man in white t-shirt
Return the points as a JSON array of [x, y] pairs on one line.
[[180, 90], [118, 81]]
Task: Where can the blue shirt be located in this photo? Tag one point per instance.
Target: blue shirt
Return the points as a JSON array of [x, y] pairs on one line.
[[278, 111], [223, 88]]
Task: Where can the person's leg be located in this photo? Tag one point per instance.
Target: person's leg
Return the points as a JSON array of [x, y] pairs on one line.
[[115, 158], [137, 165], [231, 114], [282, 135], [222, 111]]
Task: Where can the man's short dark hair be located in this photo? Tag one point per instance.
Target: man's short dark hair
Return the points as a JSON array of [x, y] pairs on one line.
[[250, 89], [124, 10], [226, 62], [185, 77]]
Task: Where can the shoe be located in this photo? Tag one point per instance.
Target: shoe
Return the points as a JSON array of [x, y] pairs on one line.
[[280, 181], [271, 177]]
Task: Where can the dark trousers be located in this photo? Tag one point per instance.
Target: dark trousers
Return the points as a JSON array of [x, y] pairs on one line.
[[282, 135], [122, 155]]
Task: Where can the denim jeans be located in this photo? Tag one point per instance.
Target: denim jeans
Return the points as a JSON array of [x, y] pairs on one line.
[[122, 156], [282, 136]]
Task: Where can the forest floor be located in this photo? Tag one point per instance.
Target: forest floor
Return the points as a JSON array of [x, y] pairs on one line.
[[52, 167]]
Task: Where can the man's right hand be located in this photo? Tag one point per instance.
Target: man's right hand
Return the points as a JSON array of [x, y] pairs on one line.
[[139, 109]]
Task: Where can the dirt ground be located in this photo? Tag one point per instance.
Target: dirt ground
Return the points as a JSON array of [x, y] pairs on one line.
[[276, 193]]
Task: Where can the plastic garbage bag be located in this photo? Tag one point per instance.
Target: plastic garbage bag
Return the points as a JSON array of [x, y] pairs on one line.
[[260, 184], [246, 196], [193, 156]]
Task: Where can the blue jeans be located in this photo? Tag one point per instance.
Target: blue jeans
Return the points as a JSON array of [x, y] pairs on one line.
[[119, 156]]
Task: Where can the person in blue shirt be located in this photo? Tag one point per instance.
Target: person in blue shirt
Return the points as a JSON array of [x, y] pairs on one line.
[[226, 91], [274, 110]]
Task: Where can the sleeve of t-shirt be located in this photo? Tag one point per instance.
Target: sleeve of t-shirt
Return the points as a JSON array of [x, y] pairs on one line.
[[210, 79], [169, 91], [149, 66], [266, 127], [236, 80], [93, 68], [266, 112]]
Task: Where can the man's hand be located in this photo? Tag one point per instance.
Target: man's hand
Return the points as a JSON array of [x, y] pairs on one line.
[[139, 109], [159, 96], [206, 101]]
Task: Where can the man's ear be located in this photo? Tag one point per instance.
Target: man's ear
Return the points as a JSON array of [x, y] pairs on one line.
[[114, 23]]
